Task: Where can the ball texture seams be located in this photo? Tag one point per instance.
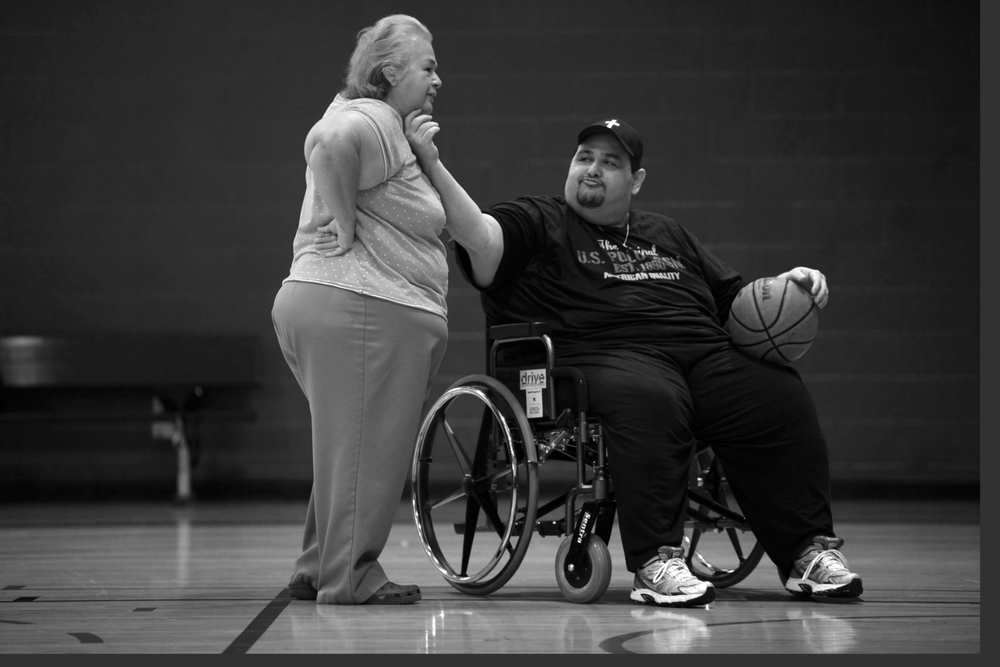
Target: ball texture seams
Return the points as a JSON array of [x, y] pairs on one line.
[[774, 319]]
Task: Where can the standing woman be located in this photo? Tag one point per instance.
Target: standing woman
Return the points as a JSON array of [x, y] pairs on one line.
[[361, 317]]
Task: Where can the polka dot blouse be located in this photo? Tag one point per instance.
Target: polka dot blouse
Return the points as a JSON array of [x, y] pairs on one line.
[[397, 253]]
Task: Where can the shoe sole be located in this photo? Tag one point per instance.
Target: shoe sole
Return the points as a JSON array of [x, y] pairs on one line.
[[805, 589], [300, 594], [646, 596], [393, 599]]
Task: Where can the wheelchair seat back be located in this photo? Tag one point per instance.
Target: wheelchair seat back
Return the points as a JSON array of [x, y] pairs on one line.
[[521, 356]]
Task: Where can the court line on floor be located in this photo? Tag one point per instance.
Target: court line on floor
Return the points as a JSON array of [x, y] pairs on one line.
[[616, 644], [259, 625]]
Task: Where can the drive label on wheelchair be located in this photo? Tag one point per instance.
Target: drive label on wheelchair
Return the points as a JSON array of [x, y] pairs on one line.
[[532, 382]]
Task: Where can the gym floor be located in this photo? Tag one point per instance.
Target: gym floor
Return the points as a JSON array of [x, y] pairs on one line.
[[209, 577]]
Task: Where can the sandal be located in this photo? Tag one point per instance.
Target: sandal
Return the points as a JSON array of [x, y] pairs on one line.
[[302, 590], [392, 593]]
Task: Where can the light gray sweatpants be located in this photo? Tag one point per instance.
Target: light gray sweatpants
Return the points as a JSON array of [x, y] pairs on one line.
[[366, 366]]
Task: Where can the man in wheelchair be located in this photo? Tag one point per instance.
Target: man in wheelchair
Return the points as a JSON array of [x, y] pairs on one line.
[[639, 305]]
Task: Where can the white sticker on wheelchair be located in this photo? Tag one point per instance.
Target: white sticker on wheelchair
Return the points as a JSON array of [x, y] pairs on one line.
[[533, 403], [535, 378]]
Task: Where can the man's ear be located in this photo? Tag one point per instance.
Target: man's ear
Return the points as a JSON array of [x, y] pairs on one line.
[[637, 179]]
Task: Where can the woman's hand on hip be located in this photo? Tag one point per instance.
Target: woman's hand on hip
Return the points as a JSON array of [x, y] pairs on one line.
[[334, 239]]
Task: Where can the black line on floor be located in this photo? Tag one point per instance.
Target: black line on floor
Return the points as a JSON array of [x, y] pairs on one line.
[[616, 644], [259, 625]]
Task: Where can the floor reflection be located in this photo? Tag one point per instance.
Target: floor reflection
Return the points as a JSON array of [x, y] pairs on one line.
[[672, 630], [822, 633]]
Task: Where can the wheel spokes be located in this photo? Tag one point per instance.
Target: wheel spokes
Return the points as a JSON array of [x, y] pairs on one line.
[[478, 422]]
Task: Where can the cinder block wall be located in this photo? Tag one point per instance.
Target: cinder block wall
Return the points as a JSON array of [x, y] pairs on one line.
[[151, 172]]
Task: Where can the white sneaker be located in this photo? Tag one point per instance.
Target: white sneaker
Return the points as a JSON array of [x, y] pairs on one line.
[[667, 582], [822, 570]]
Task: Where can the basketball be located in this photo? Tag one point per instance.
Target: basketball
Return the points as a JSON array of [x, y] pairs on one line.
[[774, 319]]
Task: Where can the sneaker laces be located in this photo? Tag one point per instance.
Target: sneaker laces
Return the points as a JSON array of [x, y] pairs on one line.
[[675, 567], [831, 561]]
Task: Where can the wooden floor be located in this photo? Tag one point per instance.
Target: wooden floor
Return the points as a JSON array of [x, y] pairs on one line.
[[151, 578]]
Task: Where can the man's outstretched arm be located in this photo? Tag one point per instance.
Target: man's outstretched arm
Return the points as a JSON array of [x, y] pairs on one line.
[[477, 232]]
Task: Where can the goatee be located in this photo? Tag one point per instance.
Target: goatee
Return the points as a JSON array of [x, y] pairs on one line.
[[590, 199]]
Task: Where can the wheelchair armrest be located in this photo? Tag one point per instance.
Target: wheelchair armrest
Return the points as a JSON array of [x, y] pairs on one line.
[[520, 330]]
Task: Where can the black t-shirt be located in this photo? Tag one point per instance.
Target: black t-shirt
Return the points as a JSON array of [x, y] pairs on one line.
[[594, 287]]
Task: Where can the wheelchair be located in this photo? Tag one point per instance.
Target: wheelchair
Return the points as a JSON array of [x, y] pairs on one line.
[[475, 479]]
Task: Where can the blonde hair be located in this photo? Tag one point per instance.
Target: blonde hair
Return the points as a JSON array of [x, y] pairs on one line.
[[379, 46]]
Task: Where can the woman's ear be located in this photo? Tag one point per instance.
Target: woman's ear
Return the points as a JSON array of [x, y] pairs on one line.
[[389, 75]]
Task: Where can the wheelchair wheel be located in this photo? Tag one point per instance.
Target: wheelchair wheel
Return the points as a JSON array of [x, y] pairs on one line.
[[475, 484], [719, 545], [590, 583]]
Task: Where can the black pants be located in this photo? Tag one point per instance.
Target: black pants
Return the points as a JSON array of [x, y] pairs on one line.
[[656, 403]]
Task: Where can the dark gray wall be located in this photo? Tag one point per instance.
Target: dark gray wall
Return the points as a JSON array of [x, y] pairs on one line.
[[151, 174]]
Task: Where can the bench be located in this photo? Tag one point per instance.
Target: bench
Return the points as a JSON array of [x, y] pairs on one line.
[[172, 381]]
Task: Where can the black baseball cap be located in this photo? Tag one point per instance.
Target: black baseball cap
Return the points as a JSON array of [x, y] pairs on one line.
[[618, 128]]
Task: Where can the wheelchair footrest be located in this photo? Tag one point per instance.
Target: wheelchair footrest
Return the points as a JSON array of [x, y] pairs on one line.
[[548, 528]]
